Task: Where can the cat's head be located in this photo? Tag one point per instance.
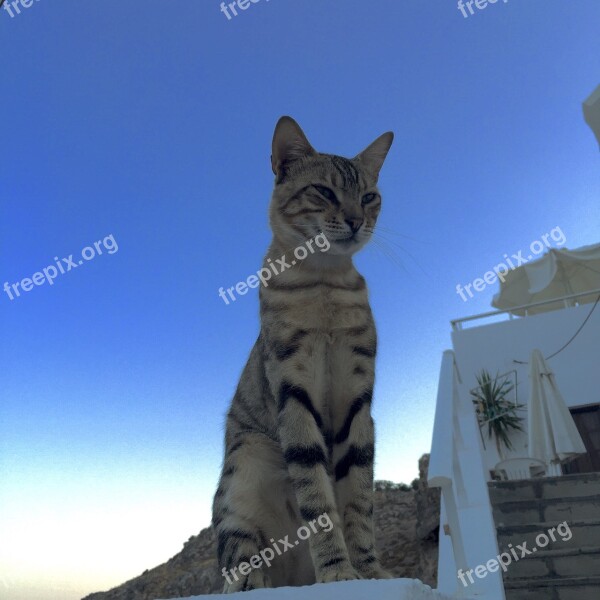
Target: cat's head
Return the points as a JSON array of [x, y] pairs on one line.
[[319, 193]]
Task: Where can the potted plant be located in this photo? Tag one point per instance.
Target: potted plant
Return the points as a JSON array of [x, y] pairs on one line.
[[495, 409]]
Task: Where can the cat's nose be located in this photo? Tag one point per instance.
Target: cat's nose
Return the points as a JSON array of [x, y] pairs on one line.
[[354, 224]]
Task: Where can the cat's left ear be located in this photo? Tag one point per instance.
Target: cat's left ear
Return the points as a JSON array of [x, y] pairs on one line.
[[372, 156]]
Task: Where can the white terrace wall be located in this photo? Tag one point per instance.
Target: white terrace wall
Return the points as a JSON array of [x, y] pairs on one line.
[[388, 589], [495, 347]]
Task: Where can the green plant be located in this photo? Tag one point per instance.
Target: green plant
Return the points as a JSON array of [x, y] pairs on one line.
[[495, 410]]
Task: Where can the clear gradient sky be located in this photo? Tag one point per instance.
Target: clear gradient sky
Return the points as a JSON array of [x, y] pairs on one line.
[[151, 121]]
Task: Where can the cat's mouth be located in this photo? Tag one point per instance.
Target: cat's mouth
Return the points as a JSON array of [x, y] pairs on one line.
[[347, 241]]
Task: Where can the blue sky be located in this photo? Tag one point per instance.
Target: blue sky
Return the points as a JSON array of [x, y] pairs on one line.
[[151, 122]]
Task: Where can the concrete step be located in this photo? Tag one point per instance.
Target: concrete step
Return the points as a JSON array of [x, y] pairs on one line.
[[566, 588], [557, 519], [557, 562], [542, 510], [567, 486], [575, 535]]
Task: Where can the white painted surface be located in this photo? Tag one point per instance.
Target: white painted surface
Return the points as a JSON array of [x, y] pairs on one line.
[[496, 346], [457, 467], [388, 589], [461, 457]]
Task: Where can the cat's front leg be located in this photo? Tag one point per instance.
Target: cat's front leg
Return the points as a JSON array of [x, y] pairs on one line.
[[305, 443], [306, 454], [353, 455]]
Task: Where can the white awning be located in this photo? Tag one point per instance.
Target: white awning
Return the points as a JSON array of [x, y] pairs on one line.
[[559, 273]]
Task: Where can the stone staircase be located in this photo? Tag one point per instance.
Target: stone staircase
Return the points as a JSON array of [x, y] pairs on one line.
[[531, 512]]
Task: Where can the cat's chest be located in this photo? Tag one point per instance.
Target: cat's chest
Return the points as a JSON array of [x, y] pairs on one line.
[[326, 310]]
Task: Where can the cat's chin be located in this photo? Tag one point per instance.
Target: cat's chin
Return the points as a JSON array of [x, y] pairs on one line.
[[345, 247]]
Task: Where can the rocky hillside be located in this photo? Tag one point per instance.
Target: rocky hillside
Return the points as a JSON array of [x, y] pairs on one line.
[[406, 529]]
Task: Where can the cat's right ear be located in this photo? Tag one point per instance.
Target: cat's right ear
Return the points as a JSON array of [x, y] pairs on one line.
[[289, 144], [373, 156]]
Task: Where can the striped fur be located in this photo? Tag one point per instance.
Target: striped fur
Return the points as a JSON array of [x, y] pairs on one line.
[[299, 434]]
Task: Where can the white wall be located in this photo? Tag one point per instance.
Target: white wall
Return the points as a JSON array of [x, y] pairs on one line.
[[383, 589], [495, 346]]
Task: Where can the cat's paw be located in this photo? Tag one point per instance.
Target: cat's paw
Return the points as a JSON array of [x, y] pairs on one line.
[[345, 573], [375, 572], [256, 579]]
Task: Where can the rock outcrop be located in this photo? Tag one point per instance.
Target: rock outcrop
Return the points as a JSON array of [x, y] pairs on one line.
[[406, 530]]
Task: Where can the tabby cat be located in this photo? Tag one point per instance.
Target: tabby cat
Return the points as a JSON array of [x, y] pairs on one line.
[[299, 440]]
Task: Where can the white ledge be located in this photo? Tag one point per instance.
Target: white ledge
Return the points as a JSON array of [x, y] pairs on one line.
[[382, 589]]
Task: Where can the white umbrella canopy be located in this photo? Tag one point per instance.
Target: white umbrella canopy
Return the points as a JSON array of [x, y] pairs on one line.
[[553, 435], [560, 272]]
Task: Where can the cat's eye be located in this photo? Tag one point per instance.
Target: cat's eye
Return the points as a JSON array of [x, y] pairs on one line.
[[368, 198], [325, 192]]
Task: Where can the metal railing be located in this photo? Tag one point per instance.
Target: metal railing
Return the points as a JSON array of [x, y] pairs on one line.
[[457, 323]]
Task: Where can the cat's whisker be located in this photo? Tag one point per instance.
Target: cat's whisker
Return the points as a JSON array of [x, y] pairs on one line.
[[377, 236], [393, 232], [390, 254]]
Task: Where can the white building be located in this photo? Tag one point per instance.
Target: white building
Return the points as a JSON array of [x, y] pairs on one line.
[[543, 520]]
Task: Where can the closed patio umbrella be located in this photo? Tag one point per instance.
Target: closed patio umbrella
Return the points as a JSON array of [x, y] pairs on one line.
[[553, 435]]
